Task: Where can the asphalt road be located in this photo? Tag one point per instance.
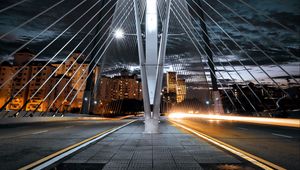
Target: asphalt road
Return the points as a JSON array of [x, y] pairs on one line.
[[24, 144], [279, 145]]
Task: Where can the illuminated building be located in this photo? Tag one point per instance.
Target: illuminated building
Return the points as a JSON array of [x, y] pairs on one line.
[[6, 71], [120, 87], [176, 87], [17, 84], [116, 89], [62, 92], [81, 75], [35, 86], [180, 90], [171, 82]]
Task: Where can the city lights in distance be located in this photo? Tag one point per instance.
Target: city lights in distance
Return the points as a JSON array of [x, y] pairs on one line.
[[119, 34]]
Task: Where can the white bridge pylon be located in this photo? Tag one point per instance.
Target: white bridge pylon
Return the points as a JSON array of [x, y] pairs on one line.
[[152, 60]]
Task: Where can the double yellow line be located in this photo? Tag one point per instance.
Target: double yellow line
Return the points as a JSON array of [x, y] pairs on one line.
[[264, 164], [55, 157]]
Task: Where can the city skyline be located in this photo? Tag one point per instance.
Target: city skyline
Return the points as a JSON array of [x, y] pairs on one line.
[[149, 84], [119, 87]]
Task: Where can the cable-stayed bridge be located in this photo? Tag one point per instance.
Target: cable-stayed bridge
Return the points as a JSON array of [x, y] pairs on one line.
[[194, 64]]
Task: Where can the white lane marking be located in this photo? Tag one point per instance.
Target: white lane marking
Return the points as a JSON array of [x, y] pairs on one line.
[[242, 128], [57, 156], [280, 135], [69, 126], [39, 132]]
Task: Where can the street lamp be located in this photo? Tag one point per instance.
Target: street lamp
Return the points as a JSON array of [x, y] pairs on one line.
[[207, 105], [119, 34]]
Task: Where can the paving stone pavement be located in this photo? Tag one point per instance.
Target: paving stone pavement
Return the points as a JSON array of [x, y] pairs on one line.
[[129, 148]]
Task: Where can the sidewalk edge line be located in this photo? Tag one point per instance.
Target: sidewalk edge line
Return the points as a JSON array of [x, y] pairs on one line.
[[54, 157]]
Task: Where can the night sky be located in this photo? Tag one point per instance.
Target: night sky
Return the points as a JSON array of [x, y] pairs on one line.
[[182, 55]]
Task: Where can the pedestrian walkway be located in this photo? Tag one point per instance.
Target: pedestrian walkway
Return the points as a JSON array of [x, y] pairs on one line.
[[130, 148]]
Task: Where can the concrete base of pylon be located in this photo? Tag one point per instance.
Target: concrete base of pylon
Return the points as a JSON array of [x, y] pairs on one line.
[[151, 126], [218, 106]]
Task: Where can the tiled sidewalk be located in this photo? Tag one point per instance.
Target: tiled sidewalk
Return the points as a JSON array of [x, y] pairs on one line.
[[130, 148]]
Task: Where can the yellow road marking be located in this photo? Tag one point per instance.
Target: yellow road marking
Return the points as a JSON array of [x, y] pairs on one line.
[[249, 157], [38, 162]]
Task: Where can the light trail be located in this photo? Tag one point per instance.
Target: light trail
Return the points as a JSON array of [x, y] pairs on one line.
[[256, 120]]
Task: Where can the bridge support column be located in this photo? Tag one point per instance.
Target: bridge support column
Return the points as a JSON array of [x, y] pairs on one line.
[[146, 99], [152, 64], [151, 124], [161, 61], [218, 107]]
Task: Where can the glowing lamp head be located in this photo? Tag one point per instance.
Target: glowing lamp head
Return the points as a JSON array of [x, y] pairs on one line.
[[119, 34], [207, 102]]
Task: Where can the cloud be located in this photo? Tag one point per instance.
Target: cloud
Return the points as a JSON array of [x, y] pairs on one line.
[[180, 50]]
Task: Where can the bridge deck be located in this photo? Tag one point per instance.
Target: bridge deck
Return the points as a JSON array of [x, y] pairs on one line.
[[130, 148]]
